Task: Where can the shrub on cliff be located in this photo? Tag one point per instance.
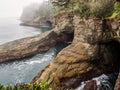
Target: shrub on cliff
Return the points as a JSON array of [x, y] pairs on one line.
[[98, 8], [37, 86], [102, 8], [116, 12]]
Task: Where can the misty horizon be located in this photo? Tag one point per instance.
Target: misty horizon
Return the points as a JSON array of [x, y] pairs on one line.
[[14, 8]]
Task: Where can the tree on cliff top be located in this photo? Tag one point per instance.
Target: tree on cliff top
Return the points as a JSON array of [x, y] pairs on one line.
[[35, 11], [29, 11]]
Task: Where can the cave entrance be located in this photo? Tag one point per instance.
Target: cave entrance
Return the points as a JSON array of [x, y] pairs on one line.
[[49, 23]]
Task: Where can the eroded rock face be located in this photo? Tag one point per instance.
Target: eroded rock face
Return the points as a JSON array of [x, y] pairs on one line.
[[29, 46], [90, 54], [69, 67]]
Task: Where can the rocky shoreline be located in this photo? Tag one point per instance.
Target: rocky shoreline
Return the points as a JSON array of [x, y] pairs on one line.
[[92, 53], [40, 23], [35, 25], [93, 50]]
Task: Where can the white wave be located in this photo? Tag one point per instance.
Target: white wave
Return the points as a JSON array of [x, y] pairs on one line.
[[102, 77], [97, 79], [33, 62]]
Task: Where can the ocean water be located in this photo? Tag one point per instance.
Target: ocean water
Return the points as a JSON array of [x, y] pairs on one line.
[[25, 70], [106, 81]]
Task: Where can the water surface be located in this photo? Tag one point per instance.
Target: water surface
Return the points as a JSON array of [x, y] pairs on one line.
[[10, 29], [25, 70]]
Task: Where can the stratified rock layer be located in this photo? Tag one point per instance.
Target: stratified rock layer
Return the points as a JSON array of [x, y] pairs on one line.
[[91, 53]]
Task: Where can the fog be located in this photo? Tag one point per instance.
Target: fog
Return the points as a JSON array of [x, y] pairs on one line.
[[13, 8], [35, 11]]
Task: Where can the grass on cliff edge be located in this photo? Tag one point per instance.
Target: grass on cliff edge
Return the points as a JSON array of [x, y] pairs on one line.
[[87, 8], [116, 12], [37, 86]]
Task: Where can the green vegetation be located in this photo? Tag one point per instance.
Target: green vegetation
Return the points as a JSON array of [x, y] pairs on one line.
[[37, 86], [71, 6], [86, 8], [116, 12], [103, 8]]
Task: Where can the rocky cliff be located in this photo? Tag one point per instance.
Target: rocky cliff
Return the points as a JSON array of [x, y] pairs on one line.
[[91, 53], [94, 50]]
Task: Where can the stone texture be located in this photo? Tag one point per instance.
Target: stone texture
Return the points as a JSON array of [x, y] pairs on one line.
[[90, 85], [29, 46], [91, 53], [69, 67]]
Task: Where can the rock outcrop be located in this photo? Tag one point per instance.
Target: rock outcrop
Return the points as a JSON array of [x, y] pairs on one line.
[[29, 46], [92, 52], [91, 85], [40, 23]]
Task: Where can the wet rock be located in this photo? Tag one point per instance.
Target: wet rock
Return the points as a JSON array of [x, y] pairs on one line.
[[90, 85]]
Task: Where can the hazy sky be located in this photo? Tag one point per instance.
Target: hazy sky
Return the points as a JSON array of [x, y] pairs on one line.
[[13, 8]]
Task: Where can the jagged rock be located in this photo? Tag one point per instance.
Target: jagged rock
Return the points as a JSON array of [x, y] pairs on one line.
[[91, 53], [29, 46], [67, 69], [91, 85]]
